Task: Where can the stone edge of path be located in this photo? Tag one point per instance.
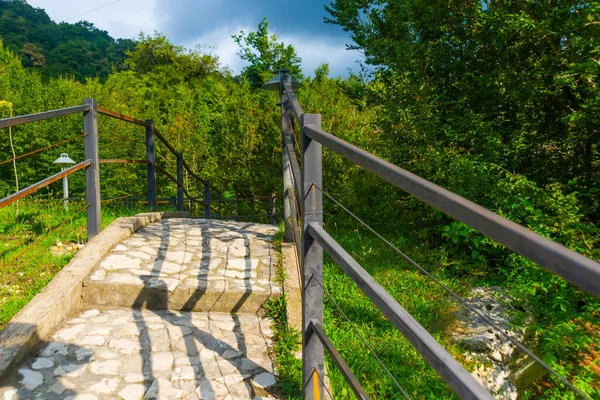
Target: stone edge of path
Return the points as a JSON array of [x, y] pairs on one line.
[[292, 285], [62, 296]]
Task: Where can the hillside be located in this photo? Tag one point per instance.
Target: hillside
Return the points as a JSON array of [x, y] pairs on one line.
[[80, 50]]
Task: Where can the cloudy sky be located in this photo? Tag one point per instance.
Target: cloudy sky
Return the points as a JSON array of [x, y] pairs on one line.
[[212, 22]]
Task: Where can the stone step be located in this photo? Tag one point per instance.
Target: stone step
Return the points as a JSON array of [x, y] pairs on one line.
[[188, 264], [145, 354]]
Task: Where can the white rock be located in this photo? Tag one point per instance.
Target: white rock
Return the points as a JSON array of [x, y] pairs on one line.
[[98, 275], [139, 254], [83, 353], [226, 325], [108, 355], [31, 379], [109, 367], [125, 279], [10, 394], [90, 313], [162, 361], [93, 341], [100, 331], [168, 267], [60, 385], [230, 379], [207, 354], [118, 261], [120, 247], [69, 334], [105, 386], [71, 370], [42, 363], [231, 354], [242, 264], [132, 392], [163, 389], [264, 380], [134, 378]]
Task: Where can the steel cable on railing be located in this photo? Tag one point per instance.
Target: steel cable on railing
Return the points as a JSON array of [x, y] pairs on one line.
[[42, 149], [325, 386], [355, 329], [322, 382], [484, 317]]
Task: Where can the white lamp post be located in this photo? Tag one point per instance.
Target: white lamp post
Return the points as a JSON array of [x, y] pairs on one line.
[[64, 162]]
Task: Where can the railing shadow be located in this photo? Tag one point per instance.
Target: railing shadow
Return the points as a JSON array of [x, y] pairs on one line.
[[25, 382], [155, 296]]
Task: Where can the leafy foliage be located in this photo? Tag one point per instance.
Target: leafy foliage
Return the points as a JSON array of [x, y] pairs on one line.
[[265, 55], [496, 101]]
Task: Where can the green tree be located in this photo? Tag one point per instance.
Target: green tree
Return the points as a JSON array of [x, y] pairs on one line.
[[155, 54], [265, 55]]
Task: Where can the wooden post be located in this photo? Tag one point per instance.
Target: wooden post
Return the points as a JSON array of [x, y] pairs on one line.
[[179, 181], [151, 168], [206, 199], [92, 172], [312, 261], [286, 137], [273, 208]]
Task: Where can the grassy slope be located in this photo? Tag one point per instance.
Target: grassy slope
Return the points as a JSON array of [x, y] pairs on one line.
[[420, 296], [426, 302], [39, 224]]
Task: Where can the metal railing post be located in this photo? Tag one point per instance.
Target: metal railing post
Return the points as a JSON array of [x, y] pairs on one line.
[[206, 200], [286, 137], [151, 158], [179, 181], [273, 208], [312, 261], [92, 172]]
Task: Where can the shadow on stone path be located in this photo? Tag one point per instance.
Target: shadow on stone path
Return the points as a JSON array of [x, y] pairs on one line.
[[154, 351]]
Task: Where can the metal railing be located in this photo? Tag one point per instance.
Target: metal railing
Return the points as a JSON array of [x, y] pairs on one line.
[[90, 111], [92, 162], [303, 213]]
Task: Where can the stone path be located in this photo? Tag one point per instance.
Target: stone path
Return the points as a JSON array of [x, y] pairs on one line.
[[192, 265], [191, 328]]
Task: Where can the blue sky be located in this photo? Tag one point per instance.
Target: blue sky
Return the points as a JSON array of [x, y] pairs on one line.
[[212, 22]]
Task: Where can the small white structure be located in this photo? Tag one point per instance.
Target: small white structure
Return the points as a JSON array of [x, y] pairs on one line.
[[64, 162]]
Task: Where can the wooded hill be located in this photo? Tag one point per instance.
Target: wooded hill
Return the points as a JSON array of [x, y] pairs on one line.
[[80, 50]]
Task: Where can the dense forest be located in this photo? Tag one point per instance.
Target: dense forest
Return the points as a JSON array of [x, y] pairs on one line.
[[80, 50], [496, 101]]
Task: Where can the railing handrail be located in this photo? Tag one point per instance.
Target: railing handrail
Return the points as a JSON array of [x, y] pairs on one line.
[[120, 116], [25, 119], [43, 183], [556, 258]]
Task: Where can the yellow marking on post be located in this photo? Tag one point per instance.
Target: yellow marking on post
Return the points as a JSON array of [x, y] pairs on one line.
[[316, 391]]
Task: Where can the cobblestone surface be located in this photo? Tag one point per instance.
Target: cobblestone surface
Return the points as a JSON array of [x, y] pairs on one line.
[[133, 343], [134, 354], [222, 260]]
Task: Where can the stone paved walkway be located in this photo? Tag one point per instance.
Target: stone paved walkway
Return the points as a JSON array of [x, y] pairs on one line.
[[172, 339], [192, 265]]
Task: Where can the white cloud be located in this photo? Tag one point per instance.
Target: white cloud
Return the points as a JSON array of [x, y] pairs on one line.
[[315, 50], [125, 19]]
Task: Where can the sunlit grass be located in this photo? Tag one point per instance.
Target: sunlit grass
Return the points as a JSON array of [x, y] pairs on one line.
[[38, 226]]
